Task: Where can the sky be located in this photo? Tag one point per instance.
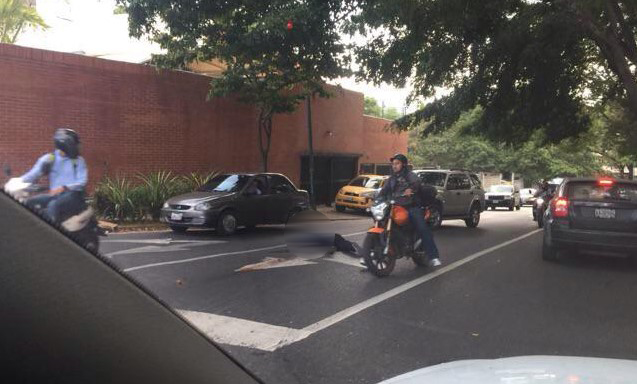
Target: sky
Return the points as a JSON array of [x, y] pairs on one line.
[[90, 27]]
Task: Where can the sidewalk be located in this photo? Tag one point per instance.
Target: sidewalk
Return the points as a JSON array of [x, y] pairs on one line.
[[331, 214]]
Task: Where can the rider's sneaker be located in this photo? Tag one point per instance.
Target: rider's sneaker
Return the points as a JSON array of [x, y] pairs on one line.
[[362, 261], [435, 262]]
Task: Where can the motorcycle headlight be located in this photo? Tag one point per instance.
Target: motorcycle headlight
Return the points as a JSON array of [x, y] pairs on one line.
[[378, 211], [165, 205], [203, 207]]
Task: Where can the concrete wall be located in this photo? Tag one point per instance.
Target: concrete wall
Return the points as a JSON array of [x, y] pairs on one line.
[[135, 118]]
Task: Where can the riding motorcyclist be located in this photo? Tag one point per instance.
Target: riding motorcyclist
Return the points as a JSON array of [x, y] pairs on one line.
[[67, 174], [403, 186]]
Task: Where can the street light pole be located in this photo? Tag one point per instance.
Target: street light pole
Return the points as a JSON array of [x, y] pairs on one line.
[[310, 145]]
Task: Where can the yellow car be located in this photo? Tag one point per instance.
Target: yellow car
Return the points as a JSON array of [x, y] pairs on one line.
[[360, 192]]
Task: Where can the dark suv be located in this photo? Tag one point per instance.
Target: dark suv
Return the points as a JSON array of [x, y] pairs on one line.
[[460, 195], [591, 215]]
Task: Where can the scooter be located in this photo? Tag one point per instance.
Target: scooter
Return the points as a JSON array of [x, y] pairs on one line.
[[81, 224]]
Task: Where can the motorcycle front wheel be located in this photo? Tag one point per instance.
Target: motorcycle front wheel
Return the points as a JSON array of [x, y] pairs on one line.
[[377, 263]]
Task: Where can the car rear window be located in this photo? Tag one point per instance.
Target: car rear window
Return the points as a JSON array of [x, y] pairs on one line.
[[433, 178], [592, 191]]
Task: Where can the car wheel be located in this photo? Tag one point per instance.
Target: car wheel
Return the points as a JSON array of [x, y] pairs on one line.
[[227, 223], [177, 229], [340, 208], [435, 217], [474, 216]]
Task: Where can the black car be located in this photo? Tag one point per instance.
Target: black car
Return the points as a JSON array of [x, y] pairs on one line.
[[229, 201], [593, 215]]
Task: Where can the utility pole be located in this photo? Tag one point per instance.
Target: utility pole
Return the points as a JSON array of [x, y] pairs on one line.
[[310, 146]]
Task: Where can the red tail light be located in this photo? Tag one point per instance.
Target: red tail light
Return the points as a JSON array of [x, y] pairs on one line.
[[606, 182], [560, 207]]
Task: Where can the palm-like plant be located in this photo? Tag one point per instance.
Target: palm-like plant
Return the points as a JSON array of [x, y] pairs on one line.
[[15, 17]]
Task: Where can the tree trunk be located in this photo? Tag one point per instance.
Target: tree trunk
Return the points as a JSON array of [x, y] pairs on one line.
[[613, 49], [264, 127]]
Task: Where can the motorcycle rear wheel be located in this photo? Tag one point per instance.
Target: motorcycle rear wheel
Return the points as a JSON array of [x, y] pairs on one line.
[[377, 263]]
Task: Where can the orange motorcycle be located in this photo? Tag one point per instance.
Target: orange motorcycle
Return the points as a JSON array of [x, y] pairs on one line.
[[392, 237]]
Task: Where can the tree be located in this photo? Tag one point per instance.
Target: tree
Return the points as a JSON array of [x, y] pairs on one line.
[[532, 65], [457, 147], [15, 17], [373, 109], [276, 53]]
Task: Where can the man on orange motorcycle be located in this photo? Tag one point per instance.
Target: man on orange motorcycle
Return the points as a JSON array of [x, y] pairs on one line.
[[403, 186]]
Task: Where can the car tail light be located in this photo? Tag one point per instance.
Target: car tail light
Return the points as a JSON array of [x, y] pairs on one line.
[[606, 182], [560, 207]]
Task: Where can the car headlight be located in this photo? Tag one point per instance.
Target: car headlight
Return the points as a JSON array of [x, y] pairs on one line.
[[369, 194], [378, 211], [166, 205], [539, 201], [508, 197], [203, 207]]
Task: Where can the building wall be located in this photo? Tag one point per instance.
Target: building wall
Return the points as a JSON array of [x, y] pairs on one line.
[[135, 118]]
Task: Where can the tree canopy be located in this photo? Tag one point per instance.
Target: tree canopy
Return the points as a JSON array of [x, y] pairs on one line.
[[372, 108], [15, 17], [275, 53], [532, 65]]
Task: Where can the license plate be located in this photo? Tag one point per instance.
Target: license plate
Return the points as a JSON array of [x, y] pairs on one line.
[[603, 213], [176, 216]]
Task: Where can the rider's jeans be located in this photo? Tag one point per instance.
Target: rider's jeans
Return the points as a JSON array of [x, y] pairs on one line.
[[57, 205], [417, 217]]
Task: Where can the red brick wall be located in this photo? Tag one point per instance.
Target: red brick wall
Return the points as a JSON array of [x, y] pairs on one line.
[[134, 118]]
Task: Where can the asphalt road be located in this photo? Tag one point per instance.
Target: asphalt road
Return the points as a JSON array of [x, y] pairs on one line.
[[307, 317]]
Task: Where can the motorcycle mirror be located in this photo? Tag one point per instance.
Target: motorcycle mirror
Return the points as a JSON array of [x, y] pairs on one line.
[[7, 170]]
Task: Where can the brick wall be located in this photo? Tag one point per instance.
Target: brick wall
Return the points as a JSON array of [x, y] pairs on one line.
[[134, 118]]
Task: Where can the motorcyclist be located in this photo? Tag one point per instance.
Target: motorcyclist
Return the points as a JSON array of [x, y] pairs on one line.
[[67, 174], [403, 186]]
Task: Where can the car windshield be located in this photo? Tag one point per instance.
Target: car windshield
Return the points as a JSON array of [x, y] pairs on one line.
[[436, 179], [137, 118], [593, 191], [501, 189], [225, 183], [367, 182]]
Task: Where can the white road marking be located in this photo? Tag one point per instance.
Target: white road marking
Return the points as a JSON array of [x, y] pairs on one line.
[[339, 257], [167, 241], [348, 312], [267, 337], [185, 246], [244, 333], [274, 262], [145, 266]]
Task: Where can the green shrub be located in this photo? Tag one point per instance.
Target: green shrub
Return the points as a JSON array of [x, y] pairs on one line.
[[120, 199]]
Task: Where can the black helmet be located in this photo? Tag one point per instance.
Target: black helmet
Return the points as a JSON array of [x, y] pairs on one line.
[[400, 157], [67, 141]]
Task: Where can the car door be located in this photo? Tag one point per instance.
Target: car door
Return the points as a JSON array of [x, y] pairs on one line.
[[282, 199], [252, 206], [459, 194], [452, 198]]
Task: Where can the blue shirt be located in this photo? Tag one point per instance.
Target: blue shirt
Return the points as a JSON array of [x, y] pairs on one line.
[[65, 172]]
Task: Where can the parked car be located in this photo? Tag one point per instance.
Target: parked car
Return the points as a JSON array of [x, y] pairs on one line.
[[592, 215], [527, 195], [460, 196], [232, 200], [507, 196], [360, 192]]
